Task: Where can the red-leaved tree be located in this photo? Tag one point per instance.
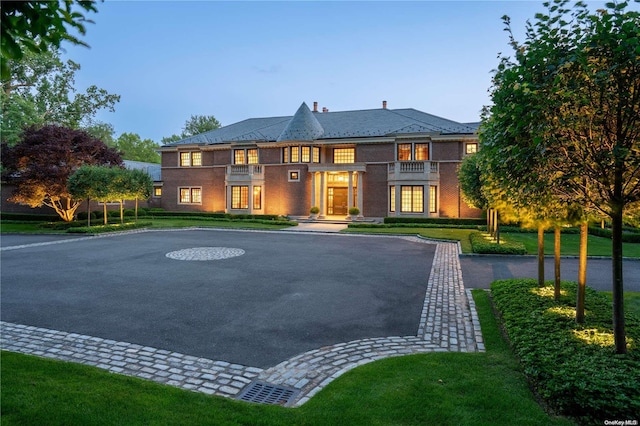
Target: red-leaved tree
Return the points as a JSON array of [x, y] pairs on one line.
[[41, 164]]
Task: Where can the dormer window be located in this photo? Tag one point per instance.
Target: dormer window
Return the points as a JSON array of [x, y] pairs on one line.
[[413, 152]]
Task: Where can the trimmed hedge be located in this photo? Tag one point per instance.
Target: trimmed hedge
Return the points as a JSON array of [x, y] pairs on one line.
[[29, 217], [411, 225], [107, 228], [480, 245], [435, 220], [627, 237], [572, 366]]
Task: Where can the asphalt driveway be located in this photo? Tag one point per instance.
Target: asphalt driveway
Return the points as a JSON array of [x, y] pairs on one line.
[[481, 271], [283, 295]]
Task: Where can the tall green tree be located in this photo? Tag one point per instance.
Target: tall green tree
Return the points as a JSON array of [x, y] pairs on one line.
[[573, 88], [40, 89], [135, 148], [39, 26], [195, 125]]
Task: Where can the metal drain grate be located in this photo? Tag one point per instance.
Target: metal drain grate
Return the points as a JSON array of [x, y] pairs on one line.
[[264, 393]]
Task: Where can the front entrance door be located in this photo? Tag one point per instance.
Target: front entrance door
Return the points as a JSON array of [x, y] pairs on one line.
[[338, 200]]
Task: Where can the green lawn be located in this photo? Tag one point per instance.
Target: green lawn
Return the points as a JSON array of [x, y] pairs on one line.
[[596, 246], [454, 234], [440, 388]]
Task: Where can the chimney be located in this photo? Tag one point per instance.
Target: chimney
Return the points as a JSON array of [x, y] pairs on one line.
[[325, 109], [384, 104], [315, 107]]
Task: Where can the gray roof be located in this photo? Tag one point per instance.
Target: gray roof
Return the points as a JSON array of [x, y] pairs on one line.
[[152, 169], [306, 126]]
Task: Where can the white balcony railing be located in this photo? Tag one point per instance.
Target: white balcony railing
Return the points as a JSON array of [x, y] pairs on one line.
[[427, 170], [244, 169]]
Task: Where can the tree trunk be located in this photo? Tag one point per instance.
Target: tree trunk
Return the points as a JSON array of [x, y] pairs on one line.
[[618, 283], [582, 272], [541, 255], [556, 251], [490, 222], [89, 212], [105, 212], [121, 212], [497, 227], [136, 215]]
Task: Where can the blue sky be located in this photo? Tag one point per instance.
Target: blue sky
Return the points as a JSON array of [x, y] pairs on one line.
[[236, 60]]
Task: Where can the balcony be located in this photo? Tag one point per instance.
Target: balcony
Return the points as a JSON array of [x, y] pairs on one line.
[[244, 172], [413, 170]]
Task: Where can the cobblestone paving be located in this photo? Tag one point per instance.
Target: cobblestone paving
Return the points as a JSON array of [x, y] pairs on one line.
[[448, 323]]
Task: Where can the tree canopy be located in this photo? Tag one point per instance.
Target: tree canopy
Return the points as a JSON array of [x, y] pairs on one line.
[[41, 164], [40, 90], [37, 26], [565, 122], [195, 125]]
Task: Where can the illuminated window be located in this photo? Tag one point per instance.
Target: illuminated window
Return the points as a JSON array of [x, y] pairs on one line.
[[252, 156], [239, 197], [294, 176], [157, 191], [433, 199], [188, 159], [471, 148], [411, 198], [343, 155], [285, 154], [190, 195], [422, 151], [238, 156], [295, 154], [392, 198], [257, 197], [404, 152], [306, 154], [316, 154], [413, 151]]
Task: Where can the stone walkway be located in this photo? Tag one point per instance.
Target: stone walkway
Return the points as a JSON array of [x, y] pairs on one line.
[[448, 323]]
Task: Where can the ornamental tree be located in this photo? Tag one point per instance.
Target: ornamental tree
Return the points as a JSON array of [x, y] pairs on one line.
[[568, 108], [41, 164]]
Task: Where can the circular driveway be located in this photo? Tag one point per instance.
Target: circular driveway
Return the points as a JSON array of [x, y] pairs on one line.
[[253, 298]]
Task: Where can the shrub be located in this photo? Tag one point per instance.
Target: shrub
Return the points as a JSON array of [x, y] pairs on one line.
[[28, 217], [314, 210], [627, 237], [481, 245], [572, 366], [354, 210], [107, 228], [435, 220]]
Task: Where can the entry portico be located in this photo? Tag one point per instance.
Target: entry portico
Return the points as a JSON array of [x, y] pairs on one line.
[[335, 188]]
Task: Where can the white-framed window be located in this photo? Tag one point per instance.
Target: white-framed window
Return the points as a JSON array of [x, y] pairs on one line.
[[433, 199], [392, 198], [316, 154], [240, 197], [190, 195], [470, 148], [157, 191], [412, 198], [190, 159], [412, 151], [294, 176], [257, 197], [301, 154], [344, 155]]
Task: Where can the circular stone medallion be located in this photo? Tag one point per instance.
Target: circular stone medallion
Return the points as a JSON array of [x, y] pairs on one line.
[[205, 253]]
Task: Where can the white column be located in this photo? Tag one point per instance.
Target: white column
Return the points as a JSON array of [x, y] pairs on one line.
[[398, 198], [360, 190], [350, 193], [250, 200], [313, 189], [323, 194], [228, 206]]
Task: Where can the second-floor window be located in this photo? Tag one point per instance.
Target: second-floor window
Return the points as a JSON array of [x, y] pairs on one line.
[[344, 155], [413, 152], [301, 154], [471, 148], [190, 159], [245, 156]]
